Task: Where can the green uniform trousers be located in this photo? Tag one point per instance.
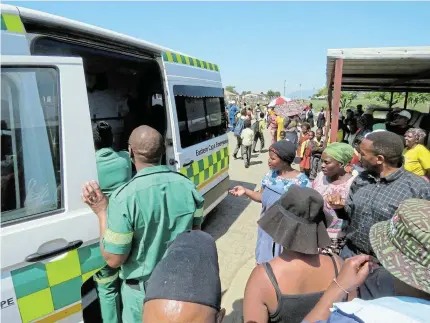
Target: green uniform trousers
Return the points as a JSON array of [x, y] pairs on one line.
[[108, 288], [132, 300]]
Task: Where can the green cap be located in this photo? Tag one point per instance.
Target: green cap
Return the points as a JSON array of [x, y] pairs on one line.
[[402, 244]]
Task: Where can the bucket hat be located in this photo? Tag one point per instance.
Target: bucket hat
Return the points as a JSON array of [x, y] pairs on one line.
[[297, 221], [402, 244]]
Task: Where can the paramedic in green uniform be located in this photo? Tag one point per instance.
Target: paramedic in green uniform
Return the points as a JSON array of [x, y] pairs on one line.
[[114, 169], [143, 217]]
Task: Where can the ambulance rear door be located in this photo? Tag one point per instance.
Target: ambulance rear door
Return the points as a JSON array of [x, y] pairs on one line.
[[49, 238]]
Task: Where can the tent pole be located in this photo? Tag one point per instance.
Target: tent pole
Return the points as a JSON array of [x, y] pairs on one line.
[[336, 99], [391, 100], [405, 104]]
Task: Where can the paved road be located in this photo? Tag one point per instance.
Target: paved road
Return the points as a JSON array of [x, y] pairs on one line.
[[233, 222]]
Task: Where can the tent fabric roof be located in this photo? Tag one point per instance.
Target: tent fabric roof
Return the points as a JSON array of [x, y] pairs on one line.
[[390, 69]]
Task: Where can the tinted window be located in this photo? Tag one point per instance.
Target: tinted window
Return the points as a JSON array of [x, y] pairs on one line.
[[200, 114], [30, 154]]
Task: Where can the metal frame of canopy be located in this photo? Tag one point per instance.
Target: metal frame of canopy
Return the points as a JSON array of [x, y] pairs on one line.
[[390, 69]]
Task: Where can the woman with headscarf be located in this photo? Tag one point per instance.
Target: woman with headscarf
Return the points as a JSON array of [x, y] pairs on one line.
[[334, 179], [275, 183], [417, 156], [286, 288]]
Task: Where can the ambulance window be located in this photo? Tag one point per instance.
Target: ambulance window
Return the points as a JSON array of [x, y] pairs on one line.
[[30, 142], [196, 116], [200, 113], [214, 113]]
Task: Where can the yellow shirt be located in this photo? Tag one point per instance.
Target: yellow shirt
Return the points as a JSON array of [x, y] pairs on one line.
[[280, 123], [417, 160]]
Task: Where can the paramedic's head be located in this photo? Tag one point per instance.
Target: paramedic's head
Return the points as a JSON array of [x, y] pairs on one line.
[[243, 112], [102, 135], [185, 285], [261, 115], [146, 147]]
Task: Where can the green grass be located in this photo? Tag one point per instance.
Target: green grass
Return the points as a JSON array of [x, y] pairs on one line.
[[318, 104]]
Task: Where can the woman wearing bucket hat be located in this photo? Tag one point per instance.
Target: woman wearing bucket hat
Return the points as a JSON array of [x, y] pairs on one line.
[[402, 247], [286, 288], [275, 183], [334, 179]]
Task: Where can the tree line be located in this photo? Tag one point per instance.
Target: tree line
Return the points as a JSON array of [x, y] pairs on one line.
[[270, 93]]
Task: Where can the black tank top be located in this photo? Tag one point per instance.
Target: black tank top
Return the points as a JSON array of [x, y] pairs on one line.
[[293, 308]]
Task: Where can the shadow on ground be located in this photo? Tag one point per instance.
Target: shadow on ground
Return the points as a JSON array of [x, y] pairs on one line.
[[226, 213], [236, 315]]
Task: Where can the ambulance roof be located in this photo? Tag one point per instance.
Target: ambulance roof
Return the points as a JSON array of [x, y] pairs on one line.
[[49, 20]]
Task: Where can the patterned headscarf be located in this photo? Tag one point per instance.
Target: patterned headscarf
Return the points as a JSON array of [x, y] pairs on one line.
[[340, 151]]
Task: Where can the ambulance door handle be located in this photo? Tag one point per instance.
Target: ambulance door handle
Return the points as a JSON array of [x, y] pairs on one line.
[[34, 257], [188, 164]]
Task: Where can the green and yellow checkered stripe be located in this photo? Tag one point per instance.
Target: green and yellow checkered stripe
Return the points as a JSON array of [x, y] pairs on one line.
[[44, 288], [204, 169], [187, 60], [12, 23]]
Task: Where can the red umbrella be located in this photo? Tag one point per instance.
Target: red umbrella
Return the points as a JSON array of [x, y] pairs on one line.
[[279, 100]]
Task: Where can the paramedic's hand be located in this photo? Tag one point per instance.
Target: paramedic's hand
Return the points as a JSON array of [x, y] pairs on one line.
[[93, 196], [238, 191], [336, 201], [354, 272]]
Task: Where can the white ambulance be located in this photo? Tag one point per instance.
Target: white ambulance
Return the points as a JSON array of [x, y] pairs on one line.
[[58, 77]]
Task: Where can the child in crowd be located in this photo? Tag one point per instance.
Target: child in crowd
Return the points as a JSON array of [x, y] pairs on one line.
[[281, 135], [306, 153], [318, 146], [247, 140], [304, 133]]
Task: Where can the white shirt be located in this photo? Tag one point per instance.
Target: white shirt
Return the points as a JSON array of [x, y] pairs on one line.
[[247, 137]]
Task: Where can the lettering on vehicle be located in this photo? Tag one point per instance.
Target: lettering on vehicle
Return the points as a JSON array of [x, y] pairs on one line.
[[211, 147], [7, 302]]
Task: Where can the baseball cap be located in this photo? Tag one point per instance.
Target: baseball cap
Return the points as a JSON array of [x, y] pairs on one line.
[[405, 114], [402, 243]]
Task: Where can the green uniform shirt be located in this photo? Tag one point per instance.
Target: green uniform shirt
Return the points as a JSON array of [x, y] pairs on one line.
[[113, 168], [147, 213]]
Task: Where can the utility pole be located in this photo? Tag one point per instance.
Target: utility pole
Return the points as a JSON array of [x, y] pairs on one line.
[[285, 82]]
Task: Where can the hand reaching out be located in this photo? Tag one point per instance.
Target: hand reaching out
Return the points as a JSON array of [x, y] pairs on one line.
[[238, 191]]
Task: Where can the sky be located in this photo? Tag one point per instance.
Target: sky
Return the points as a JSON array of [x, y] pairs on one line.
[[259, 45]]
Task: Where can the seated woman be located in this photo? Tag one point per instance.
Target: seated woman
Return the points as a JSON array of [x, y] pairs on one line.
[[417, 156], [334, 179], [286, 288]]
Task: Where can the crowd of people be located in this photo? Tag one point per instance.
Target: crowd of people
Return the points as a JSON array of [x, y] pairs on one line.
[[344, 238], [316, 220]]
